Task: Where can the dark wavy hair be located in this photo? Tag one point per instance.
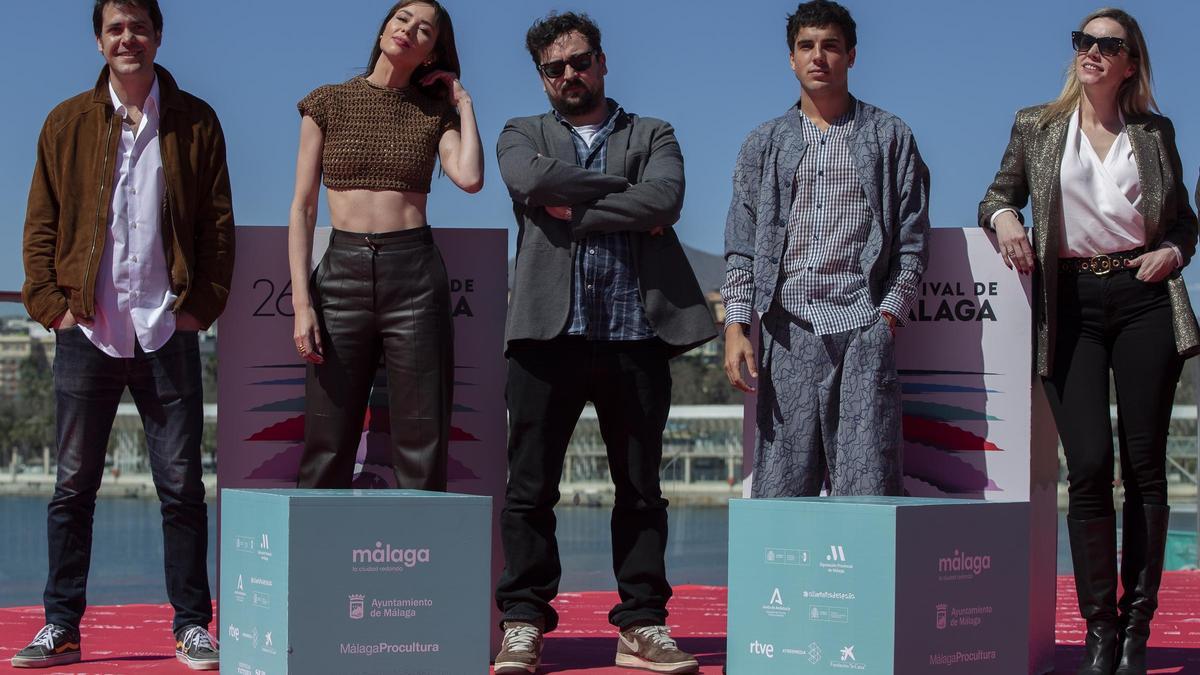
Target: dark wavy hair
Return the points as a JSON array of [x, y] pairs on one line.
[[818, 14], [545, 31], [445, 53], [151, 7]]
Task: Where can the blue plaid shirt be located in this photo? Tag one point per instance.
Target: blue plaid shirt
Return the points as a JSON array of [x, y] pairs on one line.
[[605, 301]]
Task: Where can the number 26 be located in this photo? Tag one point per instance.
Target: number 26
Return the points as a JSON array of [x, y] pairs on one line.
[[281, 307]]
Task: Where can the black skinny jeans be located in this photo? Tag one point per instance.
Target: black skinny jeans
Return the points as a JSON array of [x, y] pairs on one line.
[[1121, 323]]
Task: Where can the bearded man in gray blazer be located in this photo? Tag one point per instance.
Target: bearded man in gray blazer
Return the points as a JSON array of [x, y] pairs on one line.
[[826, 240], [602, 298]]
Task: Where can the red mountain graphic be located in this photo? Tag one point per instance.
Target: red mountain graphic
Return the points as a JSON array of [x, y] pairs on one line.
[[944, 436]]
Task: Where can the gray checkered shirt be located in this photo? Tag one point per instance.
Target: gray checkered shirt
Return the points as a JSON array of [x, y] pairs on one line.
[[606, 303], [823, 281], [819, 274]]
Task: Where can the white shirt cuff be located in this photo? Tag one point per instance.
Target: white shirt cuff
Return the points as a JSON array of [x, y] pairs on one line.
[[1178, 253], [992, 220]]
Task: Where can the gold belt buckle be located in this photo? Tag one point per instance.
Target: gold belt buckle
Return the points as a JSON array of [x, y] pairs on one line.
[[1102, 264]]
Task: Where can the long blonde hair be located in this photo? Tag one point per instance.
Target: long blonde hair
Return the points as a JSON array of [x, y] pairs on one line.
[[1136, 95]]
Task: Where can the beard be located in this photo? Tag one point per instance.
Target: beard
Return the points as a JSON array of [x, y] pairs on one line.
[[577, 99]]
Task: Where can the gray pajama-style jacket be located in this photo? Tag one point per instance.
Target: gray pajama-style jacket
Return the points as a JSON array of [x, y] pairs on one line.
[[827, 402]]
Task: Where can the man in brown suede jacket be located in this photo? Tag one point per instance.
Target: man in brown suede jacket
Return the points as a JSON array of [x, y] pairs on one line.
[[128, 254]]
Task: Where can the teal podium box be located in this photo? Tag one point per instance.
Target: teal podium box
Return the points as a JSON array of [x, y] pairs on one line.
[[354, 581], [887, 585]]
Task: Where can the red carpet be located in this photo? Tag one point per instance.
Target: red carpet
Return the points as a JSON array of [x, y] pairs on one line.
[[136, 638]]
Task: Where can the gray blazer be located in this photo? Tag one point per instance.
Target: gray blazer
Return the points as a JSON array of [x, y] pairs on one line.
[[1030, 170], [894, 180], [641, 189]]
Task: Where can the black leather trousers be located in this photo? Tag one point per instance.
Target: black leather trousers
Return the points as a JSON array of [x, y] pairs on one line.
[[383, 296]]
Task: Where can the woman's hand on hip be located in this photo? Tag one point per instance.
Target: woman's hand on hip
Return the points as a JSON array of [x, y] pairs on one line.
[[1014, 245], [1154, 266], [307, 336]]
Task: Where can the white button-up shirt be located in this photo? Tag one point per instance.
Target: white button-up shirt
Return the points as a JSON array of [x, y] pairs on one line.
[[133, 286]]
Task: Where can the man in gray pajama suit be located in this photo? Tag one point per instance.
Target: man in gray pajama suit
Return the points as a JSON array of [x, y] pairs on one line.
[[826, 240]]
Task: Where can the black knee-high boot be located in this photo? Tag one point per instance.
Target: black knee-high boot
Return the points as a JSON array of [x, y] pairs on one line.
[[1094, 554], [1144, 543]]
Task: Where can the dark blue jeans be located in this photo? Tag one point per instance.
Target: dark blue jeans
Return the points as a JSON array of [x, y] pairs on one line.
[[166, 387]]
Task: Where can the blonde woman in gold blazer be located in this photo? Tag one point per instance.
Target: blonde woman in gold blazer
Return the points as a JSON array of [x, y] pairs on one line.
[[1112, 227]]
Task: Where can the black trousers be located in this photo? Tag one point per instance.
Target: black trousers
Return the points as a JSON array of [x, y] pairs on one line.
[[380, 296], [549, 382], [1113, 322]]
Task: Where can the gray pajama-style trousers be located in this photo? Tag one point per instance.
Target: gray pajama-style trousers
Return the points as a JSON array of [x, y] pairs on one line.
[[828, 407]]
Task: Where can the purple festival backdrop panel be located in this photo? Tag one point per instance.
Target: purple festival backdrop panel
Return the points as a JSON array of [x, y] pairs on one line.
[[965, 365], [261, 383]]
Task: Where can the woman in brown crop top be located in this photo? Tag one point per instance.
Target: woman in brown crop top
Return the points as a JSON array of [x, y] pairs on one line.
[[381, 289]]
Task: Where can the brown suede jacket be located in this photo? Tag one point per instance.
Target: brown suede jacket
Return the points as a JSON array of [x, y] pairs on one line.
[[67, 219]]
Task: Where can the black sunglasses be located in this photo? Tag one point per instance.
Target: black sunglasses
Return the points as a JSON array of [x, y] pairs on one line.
[[1109, 46], [579, 63]]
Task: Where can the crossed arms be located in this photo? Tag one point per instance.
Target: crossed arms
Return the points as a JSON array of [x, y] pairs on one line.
[[599, 202]]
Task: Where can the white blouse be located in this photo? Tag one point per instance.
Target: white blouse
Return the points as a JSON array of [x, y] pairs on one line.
[[1099, 196]]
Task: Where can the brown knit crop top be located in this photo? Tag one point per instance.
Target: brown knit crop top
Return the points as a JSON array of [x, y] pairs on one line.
[[377, 138]]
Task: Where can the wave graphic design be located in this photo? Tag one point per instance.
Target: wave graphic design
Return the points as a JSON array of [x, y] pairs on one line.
[[944, 413], [944, 472], [285, 464], [945, 437], [374, 447], [941, 457], [911, 388]]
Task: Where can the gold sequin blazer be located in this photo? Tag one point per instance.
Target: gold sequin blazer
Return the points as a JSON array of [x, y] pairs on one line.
[[1030, 169]]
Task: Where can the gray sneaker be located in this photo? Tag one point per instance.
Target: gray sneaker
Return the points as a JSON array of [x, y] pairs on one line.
[[521, 648], [196, 648], [53, 645], [651, 648]]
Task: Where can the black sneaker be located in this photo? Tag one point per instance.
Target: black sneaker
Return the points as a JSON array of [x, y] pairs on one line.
[[195, 648], [53, 645]]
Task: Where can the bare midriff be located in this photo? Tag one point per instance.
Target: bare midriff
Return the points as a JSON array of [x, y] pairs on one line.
[[376, 211]]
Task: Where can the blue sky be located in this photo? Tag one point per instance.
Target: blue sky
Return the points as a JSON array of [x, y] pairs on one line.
[[955, 71]]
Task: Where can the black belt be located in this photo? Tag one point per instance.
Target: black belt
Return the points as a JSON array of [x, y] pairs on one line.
[[1100, 265]]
